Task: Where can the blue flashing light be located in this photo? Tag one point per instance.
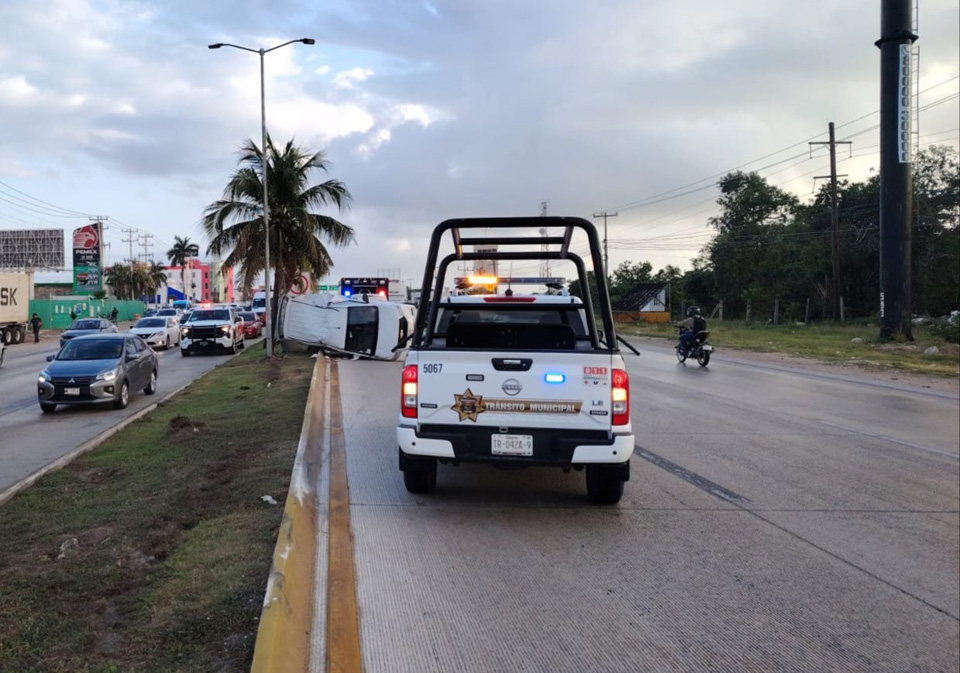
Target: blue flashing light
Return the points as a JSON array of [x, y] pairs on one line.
[[347, 293], [554, 378]]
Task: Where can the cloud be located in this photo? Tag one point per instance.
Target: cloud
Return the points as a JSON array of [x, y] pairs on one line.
[[446, 107], [350, 78]]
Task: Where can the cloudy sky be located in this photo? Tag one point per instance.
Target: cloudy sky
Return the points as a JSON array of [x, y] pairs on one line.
[[446, 108]]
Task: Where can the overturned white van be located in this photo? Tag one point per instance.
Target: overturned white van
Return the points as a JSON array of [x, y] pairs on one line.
[[367, 326]]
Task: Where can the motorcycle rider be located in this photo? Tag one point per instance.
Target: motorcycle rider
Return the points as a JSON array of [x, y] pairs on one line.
[[690, 327]]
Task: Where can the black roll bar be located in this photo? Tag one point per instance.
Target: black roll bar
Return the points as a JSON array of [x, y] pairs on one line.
[[427, 317]]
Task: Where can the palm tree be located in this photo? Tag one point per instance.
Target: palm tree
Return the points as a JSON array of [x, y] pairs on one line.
[[297, 235], [157, 276], [178, 255], [118, 277]]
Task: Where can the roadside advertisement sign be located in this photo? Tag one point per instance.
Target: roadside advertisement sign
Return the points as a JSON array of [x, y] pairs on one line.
[[87, 259]]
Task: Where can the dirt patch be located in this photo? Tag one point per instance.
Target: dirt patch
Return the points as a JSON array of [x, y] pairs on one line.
[[275, 372], [182, 429]]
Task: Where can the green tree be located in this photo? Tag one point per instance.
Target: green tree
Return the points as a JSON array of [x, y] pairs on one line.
[[234, 224], [179, 254]]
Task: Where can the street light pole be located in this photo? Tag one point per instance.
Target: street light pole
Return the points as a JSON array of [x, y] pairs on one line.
[[268, 313]]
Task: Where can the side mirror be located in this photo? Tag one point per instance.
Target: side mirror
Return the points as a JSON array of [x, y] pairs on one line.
[[50, 358]]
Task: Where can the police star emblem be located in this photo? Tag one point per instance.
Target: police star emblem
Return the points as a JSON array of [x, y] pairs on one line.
[[468, 405]]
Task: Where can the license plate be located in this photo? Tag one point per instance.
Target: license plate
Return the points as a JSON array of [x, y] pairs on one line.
[[511, 445], [708, 349], [71, 391]]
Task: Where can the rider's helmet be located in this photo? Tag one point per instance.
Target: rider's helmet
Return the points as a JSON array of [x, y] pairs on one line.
[[692, 311]]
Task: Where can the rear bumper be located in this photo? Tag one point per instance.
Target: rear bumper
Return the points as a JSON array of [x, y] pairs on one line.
[[550, 447]]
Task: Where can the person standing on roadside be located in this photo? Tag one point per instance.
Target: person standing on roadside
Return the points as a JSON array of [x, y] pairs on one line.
[[35, 324]]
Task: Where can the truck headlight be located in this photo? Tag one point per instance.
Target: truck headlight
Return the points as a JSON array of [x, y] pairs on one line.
[[225, 328]]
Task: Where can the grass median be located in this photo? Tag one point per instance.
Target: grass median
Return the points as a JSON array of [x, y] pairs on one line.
[[151, 553], [826, 342]]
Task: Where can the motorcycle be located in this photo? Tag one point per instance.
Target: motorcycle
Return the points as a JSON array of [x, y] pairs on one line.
[[699, 349]]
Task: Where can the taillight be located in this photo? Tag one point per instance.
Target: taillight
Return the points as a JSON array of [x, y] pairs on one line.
[[620, 394], [408, 392]]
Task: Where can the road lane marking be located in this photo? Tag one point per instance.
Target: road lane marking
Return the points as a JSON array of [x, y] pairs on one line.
[[343, 625], [693, 478], [891, 440]]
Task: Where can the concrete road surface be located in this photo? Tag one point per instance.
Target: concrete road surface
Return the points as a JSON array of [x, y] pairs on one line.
[[774, 521], [31, 439]]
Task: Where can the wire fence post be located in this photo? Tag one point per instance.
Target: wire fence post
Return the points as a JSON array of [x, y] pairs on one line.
[[806, 314], [776, 311]]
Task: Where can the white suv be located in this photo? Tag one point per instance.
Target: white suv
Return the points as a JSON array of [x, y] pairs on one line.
[[211, 329]]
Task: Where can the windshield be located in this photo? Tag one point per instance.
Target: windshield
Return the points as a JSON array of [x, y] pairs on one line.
[[91, 349], [167, 311], [248, 317], [151, 322], [86, 324], [213, 314], [260, 302]]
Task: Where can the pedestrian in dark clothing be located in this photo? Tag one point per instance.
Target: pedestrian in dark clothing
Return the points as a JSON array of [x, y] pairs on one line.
[[35, 323], [73, 316], [113, 314]]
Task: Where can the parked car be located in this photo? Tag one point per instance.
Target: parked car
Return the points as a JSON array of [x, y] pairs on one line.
[[98, 368], [161, 332], [149, 312], [252, 327], [84, 326]]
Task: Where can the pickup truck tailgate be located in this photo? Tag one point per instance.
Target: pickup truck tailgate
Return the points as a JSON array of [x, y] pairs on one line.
[[536, 390]]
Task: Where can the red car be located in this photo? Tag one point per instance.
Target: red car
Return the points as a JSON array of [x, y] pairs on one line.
[[251, 326]]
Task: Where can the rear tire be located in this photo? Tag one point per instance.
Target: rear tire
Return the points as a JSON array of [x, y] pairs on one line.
[[604, 484], [681, 356], [47, 408], [703, 359], [420, 474], [152, 386], [7, 335], [19, 335]]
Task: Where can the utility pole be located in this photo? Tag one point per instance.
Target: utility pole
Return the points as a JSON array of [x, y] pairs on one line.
[[131, 240], [896, 176], [605, 215], [836, 299], [146, 246]]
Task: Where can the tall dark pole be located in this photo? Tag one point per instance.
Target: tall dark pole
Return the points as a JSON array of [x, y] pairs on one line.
[[896, 38]]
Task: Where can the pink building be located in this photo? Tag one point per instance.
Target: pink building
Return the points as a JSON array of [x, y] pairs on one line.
[[204, 281]]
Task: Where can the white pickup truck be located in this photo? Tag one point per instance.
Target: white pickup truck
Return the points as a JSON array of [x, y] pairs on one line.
[[511, 379]]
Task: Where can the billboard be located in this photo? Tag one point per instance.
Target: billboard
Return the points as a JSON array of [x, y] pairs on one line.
[[87, 259], [31, 249]]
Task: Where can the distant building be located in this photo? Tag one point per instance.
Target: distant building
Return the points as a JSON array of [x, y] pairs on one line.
[[201, 282], [646, 302]]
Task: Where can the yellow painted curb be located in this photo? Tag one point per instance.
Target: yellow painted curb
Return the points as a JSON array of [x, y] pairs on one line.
[[283, 638]]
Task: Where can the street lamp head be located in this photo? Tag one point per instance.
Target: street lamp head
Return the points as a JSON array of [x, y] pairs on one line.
[[215, 46], [308, 40]]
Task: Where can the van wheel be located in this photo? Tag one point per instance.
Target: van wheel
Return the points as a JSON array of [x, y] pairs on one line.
[[604, 484], [420, 475]]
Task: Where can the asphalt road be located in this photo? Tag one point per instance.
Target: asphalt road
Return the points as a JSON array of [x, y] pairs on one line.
[[774, 521], [31, 439]]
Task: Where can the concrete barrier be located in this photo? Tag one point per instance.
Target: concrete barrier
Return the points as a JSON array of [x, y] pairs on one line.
[[283, 637]]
